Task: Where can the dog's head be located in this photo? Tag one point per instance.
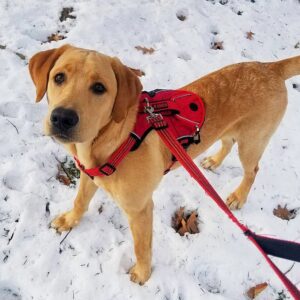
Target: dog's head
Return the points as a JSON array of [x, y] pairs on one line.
[[85, 89]]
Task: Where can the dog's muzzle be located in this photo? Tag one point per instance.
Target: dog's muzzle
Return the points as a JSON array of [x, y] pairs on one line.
[[63, 121]]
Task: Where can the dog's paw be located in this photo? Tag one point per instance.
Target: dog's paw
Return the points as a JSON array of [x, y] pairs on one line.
[[209, 163], [234, 202], [65, 222], [139, 274]]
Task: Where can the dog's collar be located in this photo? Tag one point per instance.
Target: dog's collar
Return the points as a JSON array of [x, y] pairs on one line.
[[183, 111]]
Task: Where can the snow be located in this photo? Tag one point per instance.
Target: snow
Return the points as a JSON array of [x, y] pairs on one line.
[[91, 263]]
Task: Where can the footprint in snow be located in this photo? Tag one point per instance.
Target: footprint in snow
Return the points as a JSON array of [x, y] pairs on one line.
[[25, 111], [8, 292], [182, 14], [185, 56]]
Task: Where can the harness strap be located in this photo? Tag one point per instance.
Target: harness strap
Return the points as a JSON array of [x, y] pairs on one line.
[[183, 109], [111, 165], [260, 242]]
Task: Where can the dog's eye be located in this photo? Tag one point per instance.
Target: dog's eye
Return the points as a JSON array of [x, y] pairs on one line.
[[98, 88], [59, 78]]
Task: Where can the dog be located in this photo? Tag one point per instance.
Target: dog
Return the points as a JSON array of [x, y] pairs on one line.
[[93, 101]]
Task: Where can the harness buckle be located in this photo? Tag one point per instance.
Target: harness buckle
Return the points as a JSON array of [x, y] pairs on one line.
[[107, 169]]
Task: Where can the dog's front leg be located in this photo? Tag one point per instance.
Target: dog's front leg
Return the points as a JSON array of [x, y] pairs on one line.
[[140, 222], [86, 191]]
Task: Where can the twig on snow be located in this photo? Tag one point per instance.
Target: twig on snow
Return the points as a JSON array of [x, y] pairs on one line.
[[13, 125], [65, 236], [289, 269], [11, 237]]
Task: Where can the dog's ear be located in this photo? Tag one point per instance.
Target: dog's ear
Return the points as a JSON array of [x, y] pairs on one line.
[[129, 88], [39, 67]]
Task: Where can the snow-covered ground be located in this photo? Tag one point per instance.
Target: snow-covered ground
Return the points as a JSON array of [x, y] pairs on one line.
[[91, 263]]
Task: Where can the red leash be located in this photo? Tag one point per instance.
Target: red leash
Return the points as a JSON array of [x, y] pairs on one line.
[[161, 126], [164, 108]]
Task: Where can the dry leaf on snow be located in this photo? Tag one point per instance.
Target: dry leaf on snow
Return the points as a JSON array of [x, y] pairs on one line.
[[284, 213], [145, 50], [256, 290], [183, 223], [67, 173], [192, 224], [63, 179], [250, 35], [177, 218], [183, 228], [54, 37]]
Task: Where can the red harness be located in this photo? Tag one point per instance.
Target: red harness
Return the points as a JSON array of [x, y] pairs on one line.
[[177, 116], [183, 111]]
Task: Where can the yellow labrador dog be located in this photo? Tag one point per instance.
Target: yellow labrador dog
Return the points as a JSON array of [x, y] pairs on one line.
[[92, 109]]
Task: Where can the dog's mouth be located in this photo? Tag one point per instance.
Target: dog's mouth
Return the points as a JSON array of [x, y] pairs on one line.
[[62, 137]]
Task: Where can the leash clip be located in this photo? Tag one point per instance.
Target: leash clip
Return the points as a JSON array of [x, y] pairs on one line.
[[149, 109], [156, 120]]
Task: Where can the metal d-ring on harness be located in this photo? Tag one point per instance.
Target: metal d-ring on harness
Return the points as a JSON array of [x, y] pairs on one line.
[[265, 245]]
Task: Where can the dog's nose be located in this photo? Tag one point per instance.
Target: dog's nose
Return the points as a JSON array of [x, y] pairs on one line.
[[63, 118]]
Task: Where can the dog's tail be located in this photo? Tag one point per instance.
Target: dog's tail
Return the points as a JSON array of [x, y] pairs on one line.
[[289, 67]]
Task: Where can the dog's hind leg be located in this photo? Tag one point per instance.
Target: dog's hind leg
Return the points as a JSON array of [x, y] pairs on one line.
[[251, 146], [254, 135], [86, 191], [249, 156], [214, 161]]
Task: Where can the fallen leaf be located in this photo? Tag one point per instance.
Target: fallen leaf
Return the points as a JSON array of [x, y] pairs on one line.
[[67, 173], [256, 290], [177, 218], [183, 229], [284, 213], [145, 50], [192, 224], [217, 46], [63, 179], [183, 222], [54, 37], [250, 35], [297, 46]]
